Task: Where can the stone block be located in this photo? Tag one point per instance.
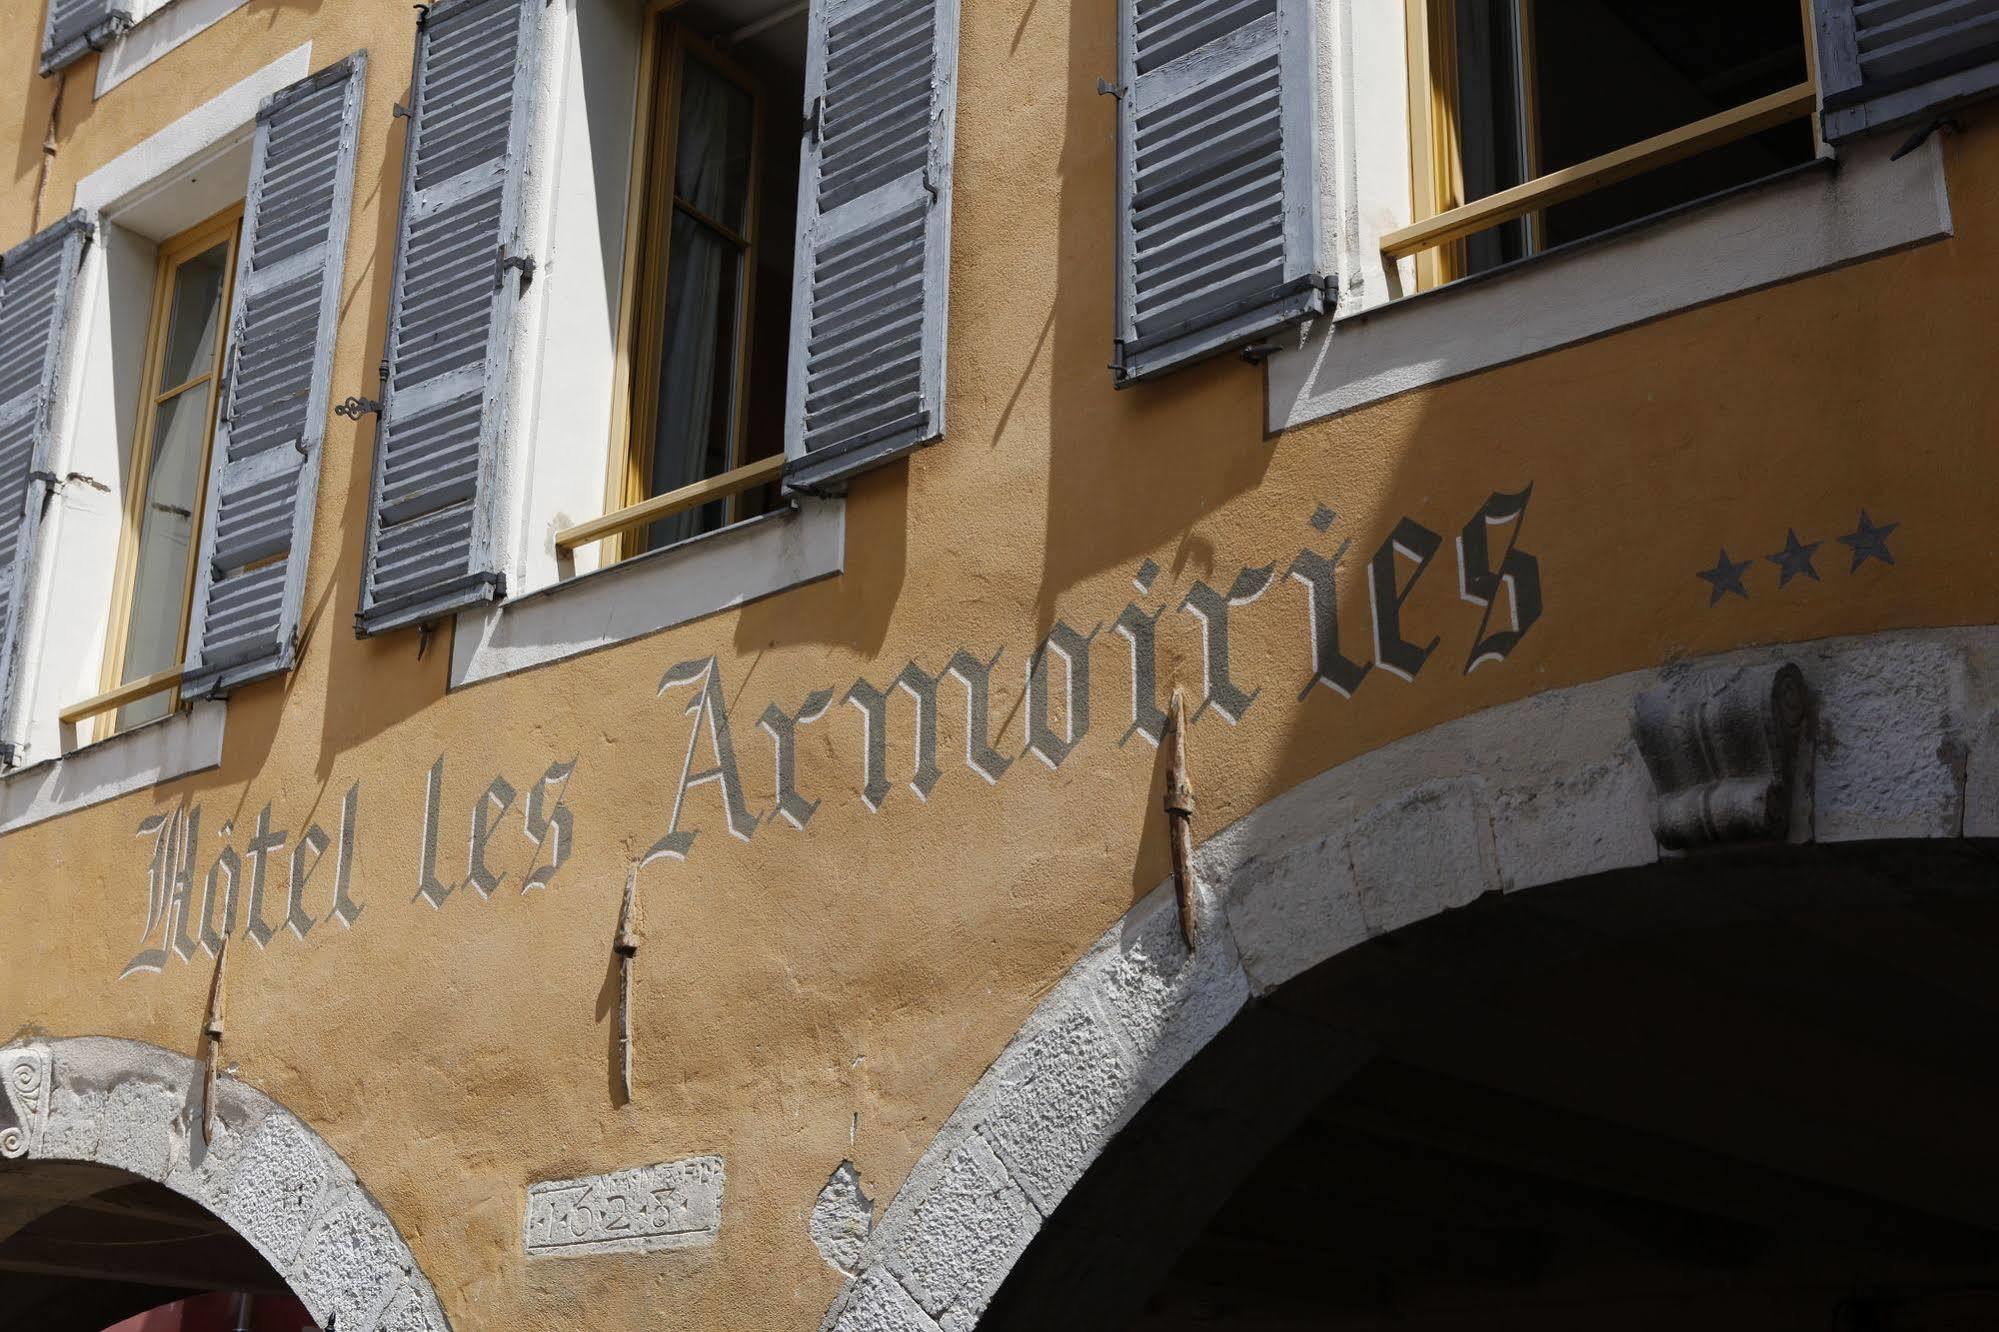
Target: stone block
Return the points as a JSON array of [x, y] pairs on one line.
[[878, 1303], [75, 1116], [1295, 911], [1981, 779], [1165, 1002], [413, 1309], [1058, 1095], [962, 1239], [141, 1124], [1585, 822], [275, 1192], [354, 1264], [1423, 852], [1891, 758]]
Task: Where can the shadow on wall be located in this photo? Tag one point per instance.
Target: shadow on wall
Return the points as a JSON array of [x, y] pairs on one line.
[[1130, 471], [405, 671]]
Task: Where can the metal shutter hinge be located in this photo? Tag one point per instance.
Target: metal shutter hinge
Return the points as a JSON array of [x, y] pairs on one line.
[[930, 185], [518, 261], [422, 16], [399, 111], [1105, 88], [815, 119], [356, 408]]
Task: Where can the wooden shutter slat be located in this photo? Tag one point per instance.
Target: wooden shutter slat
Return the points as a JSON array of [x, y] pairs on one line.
[[1217, 198], [874, 239], [264, 468], [75, 28], [1892, 63], [453, 316], [39, 291]]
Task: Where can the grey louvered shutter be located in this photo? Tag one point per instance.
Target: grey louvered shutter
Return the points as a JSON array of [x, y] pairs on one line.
[[453, 315], [874, 237], [78, 27], [1884, 64], [38, 299], [1217, 195], [264, 468]]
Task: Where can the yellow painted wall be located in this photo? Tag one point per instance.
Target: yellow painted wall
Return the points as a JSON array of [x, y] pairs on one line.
[[810, 996]]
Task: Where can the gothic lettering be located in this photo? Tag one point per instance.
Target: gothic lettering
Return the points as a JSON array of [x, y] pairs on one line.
[[1392, 652], [1218, 688], [711, 717]]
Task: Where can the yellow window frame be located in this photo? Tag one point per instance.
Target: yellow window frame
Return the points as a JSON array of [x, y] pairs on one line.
[[173, 253], [650, 208], [1444, 218]]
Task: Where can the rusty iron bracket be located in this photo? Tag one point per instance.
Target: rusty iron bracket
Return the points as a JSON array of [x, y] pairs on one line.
[[211, 1032], [1180, 821], [626, 946]]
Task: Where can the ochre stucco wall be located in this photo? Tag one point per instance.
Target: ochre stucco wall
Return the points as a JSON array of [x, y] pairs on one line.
[[808, 996]]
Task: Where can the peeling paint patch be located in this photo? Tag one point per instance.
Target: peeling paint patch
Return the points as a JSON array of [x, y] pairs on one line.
[[842, 1218]]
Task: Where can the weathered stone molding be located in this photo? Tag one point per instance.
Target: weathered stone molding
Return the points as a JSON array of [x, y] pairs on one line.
[[276, 1182], [1722, 749], [1903, 743]]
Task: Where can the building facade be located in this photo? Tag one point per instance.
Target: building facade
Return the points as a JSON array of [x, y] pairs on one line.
[[594, 595]]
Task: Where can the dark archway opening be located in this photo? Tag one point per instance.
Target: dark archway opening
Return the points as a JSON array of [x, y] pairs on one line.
[[1746, 1091], [83, 1246]]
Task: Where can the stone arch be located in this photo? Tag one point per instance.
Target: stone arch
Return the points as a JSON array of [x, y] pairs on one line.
[[1901, 742], [267, 1175]]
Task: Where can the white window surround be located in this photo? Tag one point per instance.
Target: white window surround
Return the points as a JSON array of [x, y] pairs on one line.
[[189, 741], [715, 571], [158, 27], [558, 467], [1380, 343], [182, 174]]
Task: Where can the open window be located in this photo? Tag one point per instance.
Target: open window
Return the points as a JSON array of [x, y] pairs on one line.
[[169, 383], [705, 324], [1534, 123], [167, 466]]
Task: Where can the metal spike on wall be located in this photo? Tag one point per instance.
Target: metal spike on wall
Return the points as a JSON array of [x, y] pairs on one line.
[[1180, 820], [211, 1031], [626, 945]]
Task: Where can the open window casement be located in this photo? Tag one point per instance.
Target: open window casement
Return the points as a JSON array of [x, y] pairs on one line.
[[1217, 198], [75, 28], [454, 316], [264, 464], [39, 292], [1886, 64], [874, 238]]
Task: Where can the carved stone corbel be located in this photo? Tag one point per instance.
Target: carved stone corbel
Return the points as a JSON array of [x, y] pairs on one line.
[[1722, 749], [26, 1074]]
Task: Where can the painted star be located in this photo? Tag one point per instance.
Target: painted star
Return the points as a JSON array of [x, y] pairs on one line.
[[1725, 577], [1869, 542], [1795, 558]]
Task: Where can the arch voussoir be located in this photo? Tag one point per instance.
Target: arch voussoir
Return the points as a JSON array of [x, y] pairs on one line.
[[138, 1108], [1901, 740]]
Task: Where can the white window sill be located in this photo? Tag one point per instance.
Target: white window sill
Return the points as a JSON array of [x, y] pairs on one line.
[[161, 26], [187, 742], [1791, 226], [685, 581]]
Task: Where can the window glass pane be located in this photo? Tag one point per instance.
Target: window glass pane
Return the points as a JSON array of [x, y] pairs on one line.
[[1490, 136], [696, 372], [194, 317], [166, 534], [712, 165], [1609, 73]]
